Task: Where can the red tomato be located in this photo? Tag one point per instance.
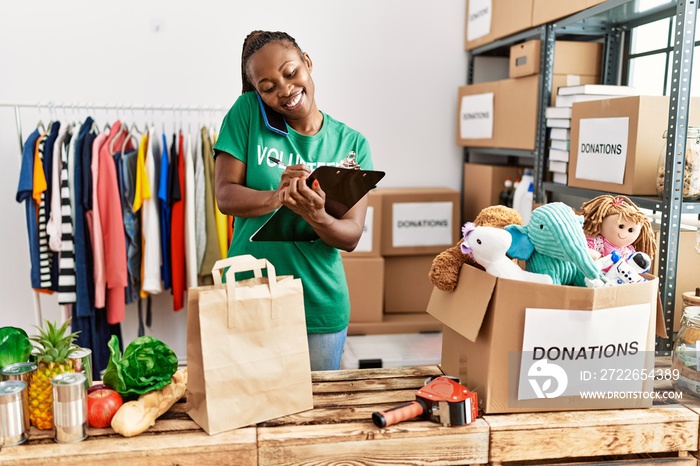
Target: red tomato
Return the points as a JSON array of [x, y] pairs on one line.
[[102, 404]]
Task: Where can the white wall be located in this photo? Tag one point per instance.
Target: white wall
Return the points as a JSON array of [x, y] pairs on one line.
[[388, 68]]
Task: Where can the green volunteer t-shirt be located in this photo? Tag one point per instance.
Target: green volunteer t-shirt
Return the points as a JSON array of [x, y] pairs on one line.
[[244, 136]]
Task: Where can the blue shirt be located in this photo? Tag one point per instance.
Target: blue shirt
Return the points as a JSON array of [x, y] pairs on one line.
[[24, 194]]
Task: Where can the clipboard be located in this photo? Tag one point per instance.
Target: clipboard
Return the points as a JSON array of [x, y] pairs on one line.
[[344, 187]]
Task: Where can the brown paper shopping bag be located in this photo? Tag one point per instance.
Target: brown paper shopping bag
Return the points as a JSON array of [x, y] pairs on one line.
[[247, 349]]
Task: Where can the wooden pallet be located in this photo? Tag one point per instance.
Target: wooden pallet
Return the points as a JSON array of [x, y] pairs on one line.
[[664, 429], [174, 439], [620, 460], [339, 430]]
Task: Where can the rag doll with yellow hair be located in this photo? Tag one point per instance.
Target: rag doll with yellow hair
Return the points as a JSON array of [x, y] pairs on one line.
[[615, 223]]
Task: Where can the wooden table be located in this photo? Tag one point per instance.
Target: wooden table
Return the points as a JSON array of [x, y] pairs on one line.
[[339, 430]]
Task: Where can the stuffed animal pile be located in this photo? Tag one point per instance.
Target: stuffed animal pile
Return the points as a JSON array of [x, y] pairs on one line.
[[557, 246], [444, 271]]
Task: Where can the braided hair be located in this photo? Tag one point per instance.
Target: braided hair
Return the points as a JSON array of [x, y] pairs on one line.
[[254, 42], [598, 208]]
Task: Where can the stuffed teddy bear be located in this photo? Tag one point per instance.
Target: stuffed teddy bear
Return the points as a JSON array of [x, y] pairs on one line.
[[615, 223], [444, 271], [488, 246]]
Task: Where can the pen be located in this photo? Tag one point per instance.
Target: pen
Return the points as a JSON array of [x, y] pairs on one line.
[[276, 161]]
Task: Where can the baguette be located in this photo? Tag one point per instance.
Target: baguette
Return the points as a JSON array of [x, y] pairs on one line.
[[134, 417]]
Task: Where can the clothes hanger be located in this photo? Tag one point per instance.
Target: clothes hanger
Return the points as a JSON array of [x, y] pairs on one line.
[[129, 137], [40, 123], [153, 119], [107, 127], [94, 129], [134, 129], [49, 108], [122, 128]]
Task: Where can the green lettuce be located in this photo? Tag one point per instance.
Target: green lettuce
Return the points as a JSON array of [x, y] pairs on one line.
[[147, 364], [15, 346]]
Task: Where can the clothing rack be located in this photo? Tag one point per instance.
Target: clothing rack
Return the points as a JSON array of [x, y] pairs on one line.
[[51, 106]]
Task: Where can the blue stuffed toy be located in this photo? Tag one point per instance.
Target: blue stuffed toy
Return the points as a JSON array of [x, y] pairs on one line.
[[553, 243]]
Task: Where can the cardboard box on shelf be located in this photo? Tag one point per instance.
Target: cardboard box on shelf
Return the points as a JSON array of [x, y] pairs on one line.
[[570, 58], [418, 220], [687, 270], [625, 136], [488, 21], [499, 114], [407, 287], [546, 11], [397, 323], [489, 322], [365, 277], [368, 246], [483, 185]]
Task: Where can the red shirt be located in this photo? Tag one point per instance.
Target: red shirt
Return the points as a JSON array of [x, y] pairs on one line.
[[177, 232], [112, 223]]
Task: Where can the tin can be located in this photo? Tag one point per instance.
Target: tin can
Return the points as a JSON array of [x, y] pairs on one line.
[[23, 371], [13, 412], [82, 363], [69, 407]]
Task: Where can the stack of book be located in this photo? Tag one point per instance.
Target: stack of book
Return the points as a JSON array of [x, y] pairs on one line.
[[558, 120]]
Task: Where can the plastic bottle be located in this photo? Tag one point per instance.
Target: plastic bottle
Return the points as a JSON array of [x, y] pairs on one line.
[[519, 202], [527, 204], [516, 183], [507, 192]]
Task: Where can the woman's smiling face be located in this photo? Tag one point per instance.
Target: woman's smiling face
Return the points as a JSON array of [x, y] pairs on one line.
[[282, 77]]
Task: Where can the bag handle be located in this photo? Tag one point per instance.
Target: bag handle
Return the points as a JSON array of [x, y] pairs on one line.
[[239, 263], [242, 263]]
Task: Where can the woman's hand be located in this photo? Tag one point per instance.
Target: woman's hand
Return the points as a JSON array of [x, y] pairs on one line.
[[290, 173], [308, 202]]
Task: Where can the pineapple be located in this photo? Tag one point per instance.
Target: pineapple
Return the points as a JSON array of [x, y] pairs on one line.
[[53, 347]]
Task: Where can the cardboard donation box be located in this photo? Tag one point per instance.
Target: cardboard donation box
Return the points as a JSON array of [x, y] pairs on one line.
[[570, 58], [418, 220], [368, 246], [488, 20], [365, 277], [615, 143], [407, 286], [687, 269], [482, 186], [498, 114], [526, 347], [545, 11], [575, 63]]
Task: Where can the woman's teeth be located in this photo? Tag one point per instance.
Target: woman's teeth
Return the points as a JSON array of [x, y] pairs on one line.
[[295, 100]]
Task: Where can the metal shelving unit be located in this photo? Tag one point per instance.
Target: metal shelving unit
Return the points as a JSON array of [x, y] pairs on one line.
[[610, 21]]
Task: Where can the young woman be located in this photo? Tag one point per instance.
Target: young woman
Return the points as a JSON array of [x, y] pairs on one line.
[[276, 117]]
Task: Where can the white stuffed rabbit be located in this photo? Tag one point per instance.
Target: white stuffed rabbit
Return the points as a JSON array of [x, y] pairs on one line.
[[488, 246]]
